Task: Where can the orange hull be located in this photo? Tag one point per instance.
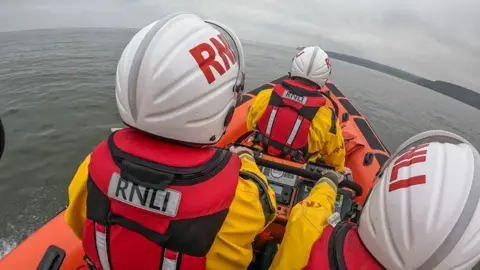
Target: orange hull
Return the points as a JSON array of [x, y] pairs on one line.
[[364, 162]]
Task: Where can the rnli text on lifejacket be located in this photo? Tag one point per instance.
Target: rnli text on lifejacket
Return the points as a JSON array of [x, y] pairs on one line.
[[164, 202], [294, 97]]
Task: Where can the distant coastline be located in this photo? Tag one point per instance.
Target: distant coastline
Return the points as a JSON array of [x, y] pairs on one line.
[[454, 91]]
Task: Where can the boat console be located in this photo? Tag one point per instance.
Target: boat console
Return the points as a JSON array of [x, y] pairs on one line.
[[292, 182]]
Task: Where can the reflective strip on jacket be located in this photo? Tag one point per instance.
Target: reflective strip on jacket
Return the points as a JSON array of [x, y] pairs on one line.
[[249, 214], [326, 145]]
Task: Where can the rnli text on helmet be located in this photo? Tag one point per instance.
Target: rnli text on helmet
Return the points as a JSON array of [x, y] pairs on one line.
[[415, 155], [205, 62]]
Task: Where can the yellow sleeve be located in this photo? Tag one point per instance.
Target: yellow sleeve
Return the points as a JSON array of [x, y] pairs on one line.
[[257, 108], [305, 225], [76, 212], [325, 138], [251, 211]]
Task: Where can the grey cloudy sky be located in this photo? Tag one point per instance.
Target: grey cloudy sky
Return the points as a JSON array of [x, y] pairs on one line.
[[438, 39]]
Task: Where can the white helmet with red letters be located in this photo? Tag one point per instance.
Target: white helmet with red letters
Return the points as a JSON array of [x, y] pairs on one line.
[[179, 78], [424, 212], [312, 63]]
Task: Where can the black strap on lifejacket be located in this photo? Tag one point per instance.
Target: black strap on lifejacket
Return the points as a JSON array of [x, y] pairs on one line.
[[336, 242], [335, 245], [296, 154], [90, 264], [305, 112], [333, 127], [98, 210], [301, 91], [158, 176], [179, 235]]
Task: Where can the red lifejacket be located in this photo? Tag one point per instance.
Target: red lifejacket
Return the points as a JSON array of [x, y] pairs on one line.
[[283, 128], [155, 205], [340, 248]]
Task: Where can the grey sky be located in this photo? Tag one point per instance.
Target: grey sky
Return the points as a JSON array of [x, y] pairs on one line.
[[438, 39]]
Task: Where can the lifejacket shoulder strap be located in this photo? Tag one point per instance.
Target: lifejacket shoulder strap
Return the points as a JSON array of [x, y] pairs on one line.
[[158, 176], [345, 250], [335, 245], [297, 154], [302, 91], [98, 210], [308, 101]]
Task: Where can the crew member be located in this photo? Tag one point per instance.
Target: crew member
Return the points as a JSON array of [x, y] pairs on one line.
[[291, 120], [154, 195], [423, 213]]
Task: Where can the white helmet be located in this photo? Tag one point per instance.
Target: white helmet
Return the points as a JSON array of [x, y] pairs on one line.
[[179, 78], [424, 211], [313, 64]]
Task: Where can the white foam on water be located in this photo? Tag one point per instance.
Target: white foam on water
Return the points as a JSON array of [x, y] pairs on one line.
[[6, 245]]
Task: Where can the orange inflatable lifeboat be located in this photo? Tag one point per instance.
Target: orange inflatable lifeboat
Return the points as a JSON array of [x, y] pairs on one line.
[[54, 246]]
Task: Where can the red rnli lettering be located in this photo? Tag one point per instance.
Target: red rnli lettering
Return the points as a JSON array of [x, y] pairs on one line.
[[415, 155], [205, 55], [223, 48], [338, 149], [329, 64], [300, 53], [310, 204]]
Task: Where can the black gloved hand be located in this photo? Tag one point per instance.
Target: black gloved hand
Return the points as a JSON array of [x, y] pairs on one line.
[[335, 176]]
